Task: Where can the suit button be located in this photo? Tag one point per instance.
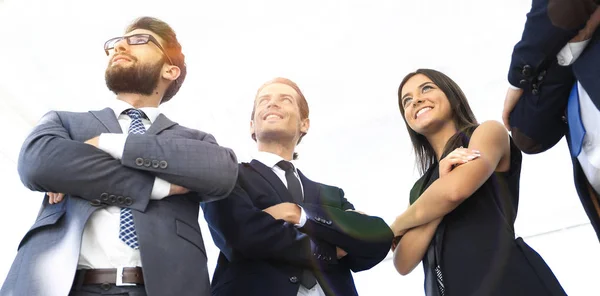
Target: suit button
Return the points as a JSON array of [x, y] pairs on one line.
[[535, 91], [139, 161], [293, 279], [112, 198], [328, 222], [96, 203], [541, 76], [147, 162], [523, 82], [104, 196], [163, 164], [155, 164], [120, 199], [526, 71], [328, 258], [128, 201]]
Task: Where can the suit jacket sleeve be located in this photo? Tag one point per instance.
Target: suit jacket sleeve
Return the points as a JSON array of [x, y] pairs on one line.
[[50, 161], [238, 227], [197, 163], [366, 239], [549, 26]]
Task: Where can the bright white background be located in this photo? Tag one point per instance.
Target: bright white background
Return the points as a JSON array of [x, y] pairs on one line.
[[347, 56]]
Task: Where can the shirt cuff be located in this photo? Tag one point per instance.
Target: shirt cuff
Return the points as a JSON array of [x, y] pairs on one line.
[[160, 189], [513, 87], [302, 218], [113, 144]]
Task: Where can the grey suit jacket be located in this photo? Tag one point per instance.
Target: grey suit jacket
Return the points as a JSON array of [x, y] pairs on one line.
[[55, 159]]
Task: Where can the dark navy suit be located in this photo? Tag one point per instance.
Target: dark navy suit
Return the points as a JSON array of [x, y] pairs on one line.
[[539, 119], [263, 256]]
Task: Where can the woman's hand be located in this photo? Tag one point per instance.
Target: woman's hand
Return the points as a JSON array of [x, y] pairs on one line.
[[457, 157]]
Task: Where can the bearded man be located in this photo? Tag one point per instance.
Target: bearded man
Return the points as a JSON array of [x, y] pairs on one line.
[[123, 184]]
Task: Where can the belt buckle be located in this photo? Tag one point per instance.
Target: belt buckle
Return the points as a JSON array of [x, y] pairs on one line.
[[119, 280]]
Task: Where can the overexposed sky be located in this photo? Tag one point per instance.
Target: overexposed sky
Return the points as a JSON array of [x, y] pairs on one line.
[[348, 57]]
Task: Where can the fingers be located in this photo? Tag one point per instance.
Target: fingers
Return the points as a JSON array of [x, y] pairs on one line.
[[54, 198], [512, 97], [462, 155]]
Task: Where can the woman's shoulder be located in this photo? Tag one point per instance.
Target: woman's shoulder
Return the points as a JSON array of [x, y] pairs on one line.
[[491, 126]]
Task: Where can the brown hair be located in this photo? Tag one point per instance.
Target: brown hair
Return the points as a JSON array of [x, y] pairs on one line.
[[171, 46], [463, 118], [302, 103]]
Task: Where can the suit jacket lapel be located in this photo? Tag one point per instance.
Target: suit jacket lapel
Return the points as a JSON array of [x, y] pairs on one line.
[[311, 190], [269, 175], [108, 119], [161, 123]]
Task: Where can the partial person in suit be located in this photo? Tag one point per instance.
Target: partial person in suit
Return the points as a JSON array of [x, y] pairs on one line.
[[461, 219], [281, 234], [555, 90], [127, 223]]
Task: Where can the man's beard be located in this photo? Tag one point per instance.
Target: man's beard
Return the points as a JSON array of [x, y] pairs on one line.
[[137, 78]]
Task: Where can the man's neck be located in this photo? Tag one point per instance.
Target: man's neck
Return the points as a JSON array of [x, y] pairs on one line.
[[139, 101], [285, 151]]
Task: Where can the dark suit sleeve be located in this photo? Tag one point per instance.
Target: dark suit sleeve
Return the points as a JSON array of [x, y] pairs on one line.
[[198, 164], [366, 239], [549, 27], [238, 227], [50, 161]]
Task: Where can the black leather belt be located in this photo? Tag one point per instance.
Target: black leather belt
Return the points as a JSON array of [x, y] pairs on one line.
[[126, 276]]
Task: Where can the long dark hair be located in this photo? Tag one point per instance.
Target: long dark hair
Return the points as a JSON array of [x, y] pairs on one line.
[[461, 115]]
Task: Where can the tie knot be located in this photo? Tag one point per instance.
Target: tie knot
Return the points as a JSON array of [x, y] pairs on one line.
[[135, 113], [286, 166]]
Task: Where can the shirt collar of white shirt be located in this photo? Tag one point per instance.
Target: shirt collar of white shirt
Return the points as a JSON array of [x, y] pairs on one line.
[[119, 106], [270, 159]]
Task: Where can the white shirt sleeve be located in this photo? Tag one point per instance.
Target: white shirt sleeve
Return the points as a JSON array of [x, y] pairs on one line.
[[113, 144], [571, 52], [160, 189], [302, 218]]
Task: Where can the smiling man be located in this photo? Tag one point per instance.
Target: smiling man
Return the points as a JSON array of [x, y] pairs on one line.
[[131, 180], [281, 234]]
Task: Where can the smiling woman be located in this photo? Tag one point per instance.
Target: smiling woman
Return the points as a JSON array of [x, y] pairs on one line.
[[461, 219]]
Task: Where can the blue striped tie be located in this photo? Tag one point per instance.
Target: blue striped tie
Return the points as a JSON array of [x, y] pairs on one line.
[[126, 226]]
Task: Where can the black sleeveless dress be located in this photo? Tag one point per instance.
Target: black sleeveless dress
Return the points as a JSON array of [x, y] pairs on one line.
[[474, 250]]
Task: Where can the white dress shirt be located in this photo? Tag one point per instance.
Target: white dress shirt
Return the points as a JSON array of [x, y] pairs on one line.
[[589, 157], [100, 244], [271, 160]]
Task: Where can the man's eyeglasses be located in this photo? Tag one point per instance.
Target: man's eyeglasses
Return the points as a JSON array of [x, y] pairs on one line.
[[136, 39]]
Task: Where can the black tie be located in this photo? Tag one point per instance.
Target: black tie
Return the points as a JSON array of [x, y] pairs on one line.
[[308, 279], [293, 184]]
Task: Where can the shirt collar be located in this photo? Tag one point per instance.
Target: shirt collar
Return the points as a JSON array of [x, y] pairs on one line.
[[270, 159], [119, 106]]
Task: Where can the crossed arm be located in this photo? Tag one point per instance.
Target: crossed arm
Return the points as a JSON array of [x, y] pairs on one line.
[[418, 223], [51, 161], [361, 241]]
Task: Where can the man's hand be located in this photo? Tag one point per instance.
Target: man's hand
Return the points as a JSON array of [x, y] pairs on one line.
[[590, 27], [287, 211], [455, 158], [340, 253], [176, 189], [512, 97], [93, 141], [54, 198]]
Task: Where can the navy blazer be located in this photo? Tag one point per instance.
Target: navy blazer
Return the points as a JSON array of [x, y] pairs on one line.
[[263, 256], [539, 119]]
